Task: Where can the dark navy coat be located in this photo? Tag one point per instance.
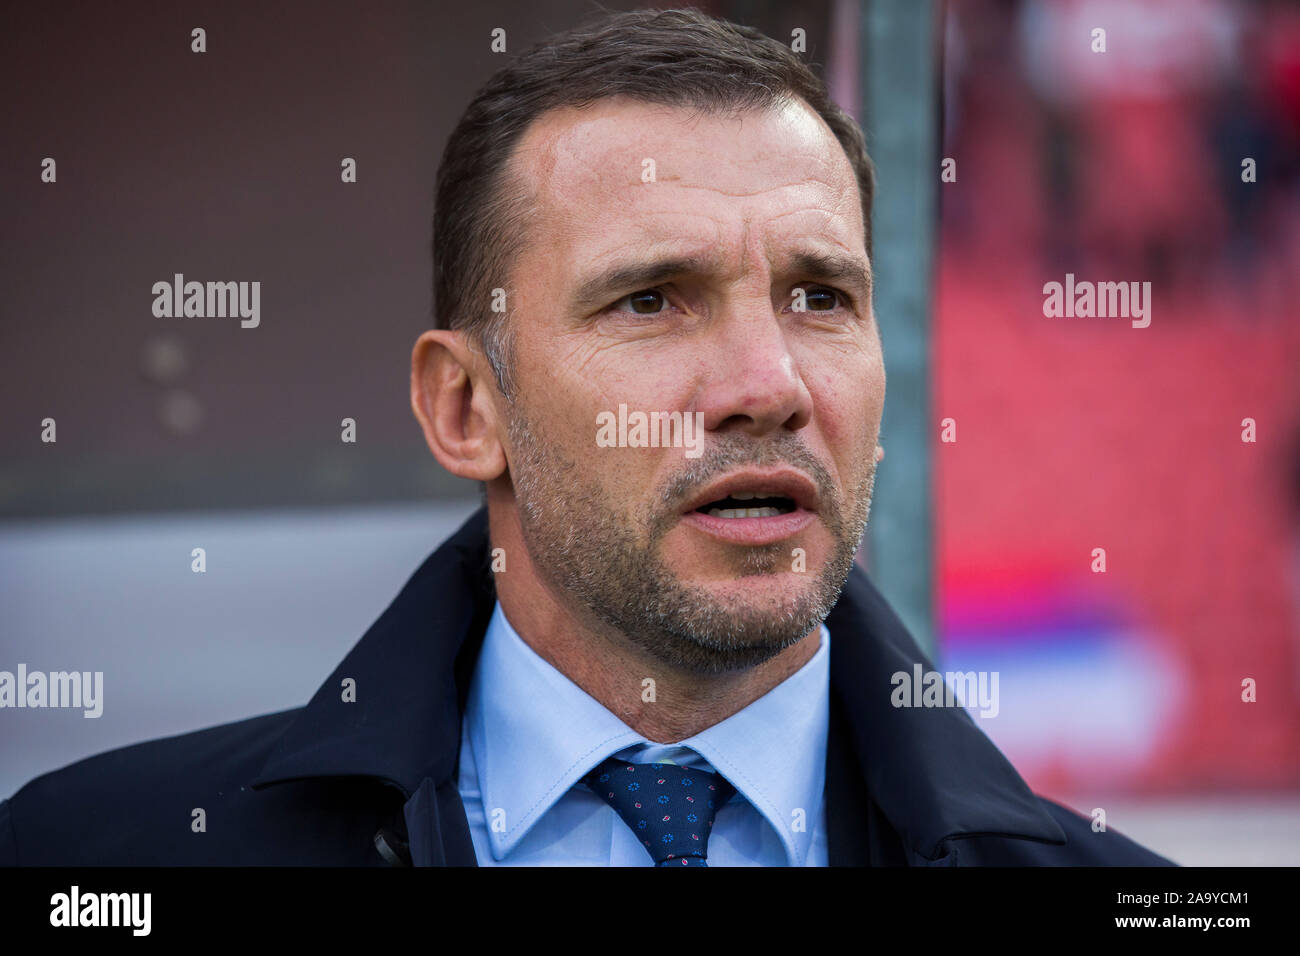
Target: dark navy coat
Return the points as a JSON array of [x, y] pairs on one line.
[[373, 782]]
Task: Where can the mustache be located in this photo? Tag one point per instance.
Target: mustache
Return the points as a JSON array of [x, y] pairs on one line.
[[728, 452]]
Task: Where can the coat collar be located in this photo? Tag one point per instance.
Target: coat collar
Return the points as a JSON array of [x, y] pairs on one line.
[[931, 772], [411, 680]]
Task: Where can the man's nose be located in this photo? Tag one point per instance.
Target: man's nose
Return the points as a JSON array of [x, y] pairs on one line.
[[754, 383]]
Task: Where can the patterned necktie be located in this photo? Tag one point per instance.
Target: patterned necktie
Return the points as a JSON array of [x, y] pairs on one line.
[[669, 808]]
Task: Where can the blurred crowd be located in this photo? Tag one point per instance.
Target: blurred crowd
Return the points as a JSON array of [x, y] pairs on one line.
[[1129, 162]]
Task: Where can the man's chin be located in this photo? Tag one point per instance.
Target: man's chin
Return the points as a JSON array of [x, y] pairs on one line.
[[738, 638], [774, 592], [760, 609], [709, 623], [703, 559]]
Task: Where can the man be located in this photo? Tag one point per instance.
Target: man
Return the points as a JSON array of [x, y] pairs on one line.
[[656, 350]]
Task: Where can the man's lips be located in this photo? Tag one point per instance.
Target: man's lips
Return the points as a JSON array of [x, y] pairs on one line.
[[751, 531], [786, 489]]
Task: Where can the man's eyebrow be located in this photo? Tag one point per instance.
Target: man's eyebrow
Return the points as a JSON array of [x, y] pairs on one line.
[[600, 289], [845, 270]]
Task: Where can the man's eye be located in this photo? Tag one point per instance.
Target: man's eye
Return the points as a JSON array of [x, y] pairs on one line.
[[645, 302], [821, 298]]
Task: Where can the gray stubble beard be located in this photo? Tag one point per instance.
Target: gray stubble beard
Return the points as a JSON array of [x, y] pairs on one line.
[[591, 553]]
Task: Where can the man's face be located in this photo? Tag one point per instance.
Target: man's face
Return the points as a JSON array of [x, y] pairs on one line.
[[790, 399]]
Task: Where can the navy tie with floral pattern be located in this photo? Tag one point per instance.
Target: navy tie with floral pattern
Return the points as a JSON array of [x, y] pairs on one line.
[[669, 808]]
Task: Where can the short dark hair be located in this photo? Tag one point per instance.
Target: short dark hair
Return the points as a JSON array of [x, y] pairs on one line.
[[677, 57]]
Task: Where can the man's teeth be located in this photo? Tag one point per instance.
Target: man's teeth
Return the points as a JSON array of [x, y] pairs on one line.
[[744, 512]]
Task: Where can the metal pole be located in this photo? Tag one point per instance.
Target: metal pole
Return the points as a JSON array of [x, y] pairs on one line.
[[898, 76]]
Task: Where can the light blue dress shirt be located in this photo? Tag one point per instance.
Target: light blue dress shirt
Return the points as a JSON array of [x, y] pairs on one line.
[[530, 734]]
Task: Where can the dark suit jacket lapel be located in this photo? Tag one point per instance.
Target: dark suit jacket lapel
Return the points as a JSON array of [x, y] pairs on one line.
[[930, 775], [412, 671]]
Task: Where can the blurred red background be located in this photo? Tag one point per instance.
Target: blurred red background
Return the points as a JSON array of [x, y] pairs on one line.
[[1083, 433]]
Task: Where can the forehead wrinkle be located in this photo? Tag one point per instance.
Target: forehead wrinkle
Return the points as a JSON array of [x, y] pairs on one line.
[[828, 230], [674, 228]]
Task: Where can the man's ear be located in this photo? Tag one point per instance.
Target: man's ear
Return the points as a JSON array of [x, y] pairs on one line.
[[452, 396]]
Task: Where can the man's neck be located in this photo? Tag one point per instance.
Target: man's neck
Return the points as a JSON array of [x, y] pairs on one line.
[[678, 704]]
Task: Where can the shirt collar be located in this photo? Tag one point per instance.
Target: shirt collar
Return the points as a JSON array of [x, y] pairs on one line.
[[773, 751]]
